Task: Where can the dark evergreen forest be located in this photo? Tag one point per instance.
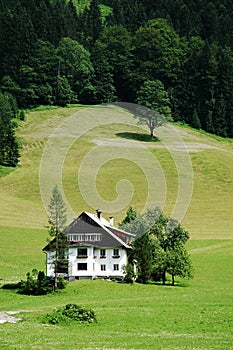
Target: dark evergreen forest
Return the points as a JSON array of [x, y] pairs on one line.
[[51, 53]]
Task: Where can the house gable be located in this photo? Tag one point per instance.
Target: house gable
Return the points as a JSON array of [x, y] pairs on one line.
[[87, 229], [96, 248]]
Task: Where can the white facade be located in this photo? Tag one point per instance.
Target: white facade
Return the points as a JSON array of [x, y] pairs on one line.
[[96, 249], [95, 262]]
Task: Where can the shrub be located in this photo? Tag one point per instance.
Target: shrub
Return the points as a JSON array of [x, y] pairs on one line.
[[61, 282], [71, 312], [21, 115], [38, 284], [129, 273]]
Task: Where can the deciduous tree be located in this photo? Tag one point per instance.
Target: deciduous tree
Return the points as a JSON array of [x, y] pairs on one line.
[[159, 247], [153, 96]]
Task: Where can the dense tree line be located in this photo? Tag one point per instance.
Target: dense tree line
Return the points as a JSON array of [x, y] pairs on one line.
[[52, 53]]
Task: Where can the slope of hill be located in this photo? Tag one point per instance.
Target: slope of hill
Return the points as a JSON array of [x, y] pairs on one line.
[[197, 315], [96, 154], [209, 212]]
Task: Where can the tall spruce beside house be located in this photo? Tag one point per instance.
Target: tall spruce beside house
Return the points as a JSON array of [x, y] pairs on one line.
[[58, 246]]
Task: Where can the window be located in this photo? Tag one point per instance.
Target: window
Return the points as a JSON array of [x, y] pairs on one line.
[[103, 267], [82, 253], [103, 253], [116, 253], [82, 237], [116, 267], [82, 266]]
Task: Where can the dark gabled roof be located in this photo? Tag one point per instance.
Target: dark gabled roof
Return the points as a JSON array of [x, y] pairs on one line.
[[88, 223], [51, 246], [123, 237]]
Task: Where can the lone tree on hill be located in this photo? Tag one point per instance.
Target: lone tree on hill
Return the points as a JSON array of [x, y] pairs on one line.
[[59, 243], [153, 96]]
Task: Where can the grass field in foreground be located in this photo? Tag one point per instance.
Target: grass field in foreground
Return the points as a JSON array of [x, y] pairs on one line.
[[195, 314]]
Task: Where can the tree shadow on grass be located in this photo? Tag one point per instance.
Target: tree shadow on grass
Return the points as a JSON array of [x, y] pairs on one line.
[[137, 136]]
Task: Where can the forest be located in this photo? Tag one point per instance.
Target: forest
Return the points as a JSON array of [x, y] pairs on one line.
[[57, 52]]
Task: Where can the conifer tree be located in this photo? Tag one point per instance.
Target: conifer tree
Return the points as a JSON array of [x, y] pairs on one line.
[[9, 148], [59, 243]]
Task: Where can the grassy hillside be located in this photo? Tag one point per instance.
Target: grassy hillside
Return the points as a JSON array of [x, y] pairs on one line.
[[209, 214], [23, 214], [195, 314]]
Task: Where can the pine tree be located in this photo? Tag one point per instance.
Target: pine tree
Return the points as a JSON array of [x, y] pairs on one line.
[[195, 120], [91, 24], [59, 243], [103, 75], [9, 148]]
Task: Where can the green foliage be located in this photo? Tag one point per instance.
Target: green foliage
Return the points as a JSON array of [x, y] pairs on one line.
[[116, 43], [74, 66], [35, 284], [103, 74], [143, 254], [159, 247], [122, 45], [9, 148], [127, 13], [57, 212], [131, 215], [92, 23], [22, 115], [142, 223], [59, 244], [71, 312], [153, 96], [179, 263], [64, 93], [158, 52], [129, 276]]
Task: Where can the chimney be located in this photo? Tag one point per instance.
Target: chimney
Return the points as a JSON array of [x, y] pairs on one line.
[[111, 220], [99, 214]]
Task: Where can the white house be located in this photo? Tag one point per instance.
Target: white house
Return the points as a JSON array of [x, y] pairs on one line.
[[96, 248]]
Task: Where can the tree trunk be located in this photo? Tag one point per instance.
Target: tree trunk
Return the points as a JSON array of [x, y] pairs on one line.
[[56, 264], [164, 277], [173, 280], [152, 132], [55, 277]]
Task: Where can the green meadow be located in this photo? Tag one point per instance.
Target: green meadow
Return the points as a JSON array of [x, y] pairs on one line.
[[195, 314]]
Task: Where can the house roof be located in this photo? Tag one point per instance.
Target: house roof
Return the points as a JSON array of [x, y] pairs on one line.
[[121, 236], [88, 223]]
